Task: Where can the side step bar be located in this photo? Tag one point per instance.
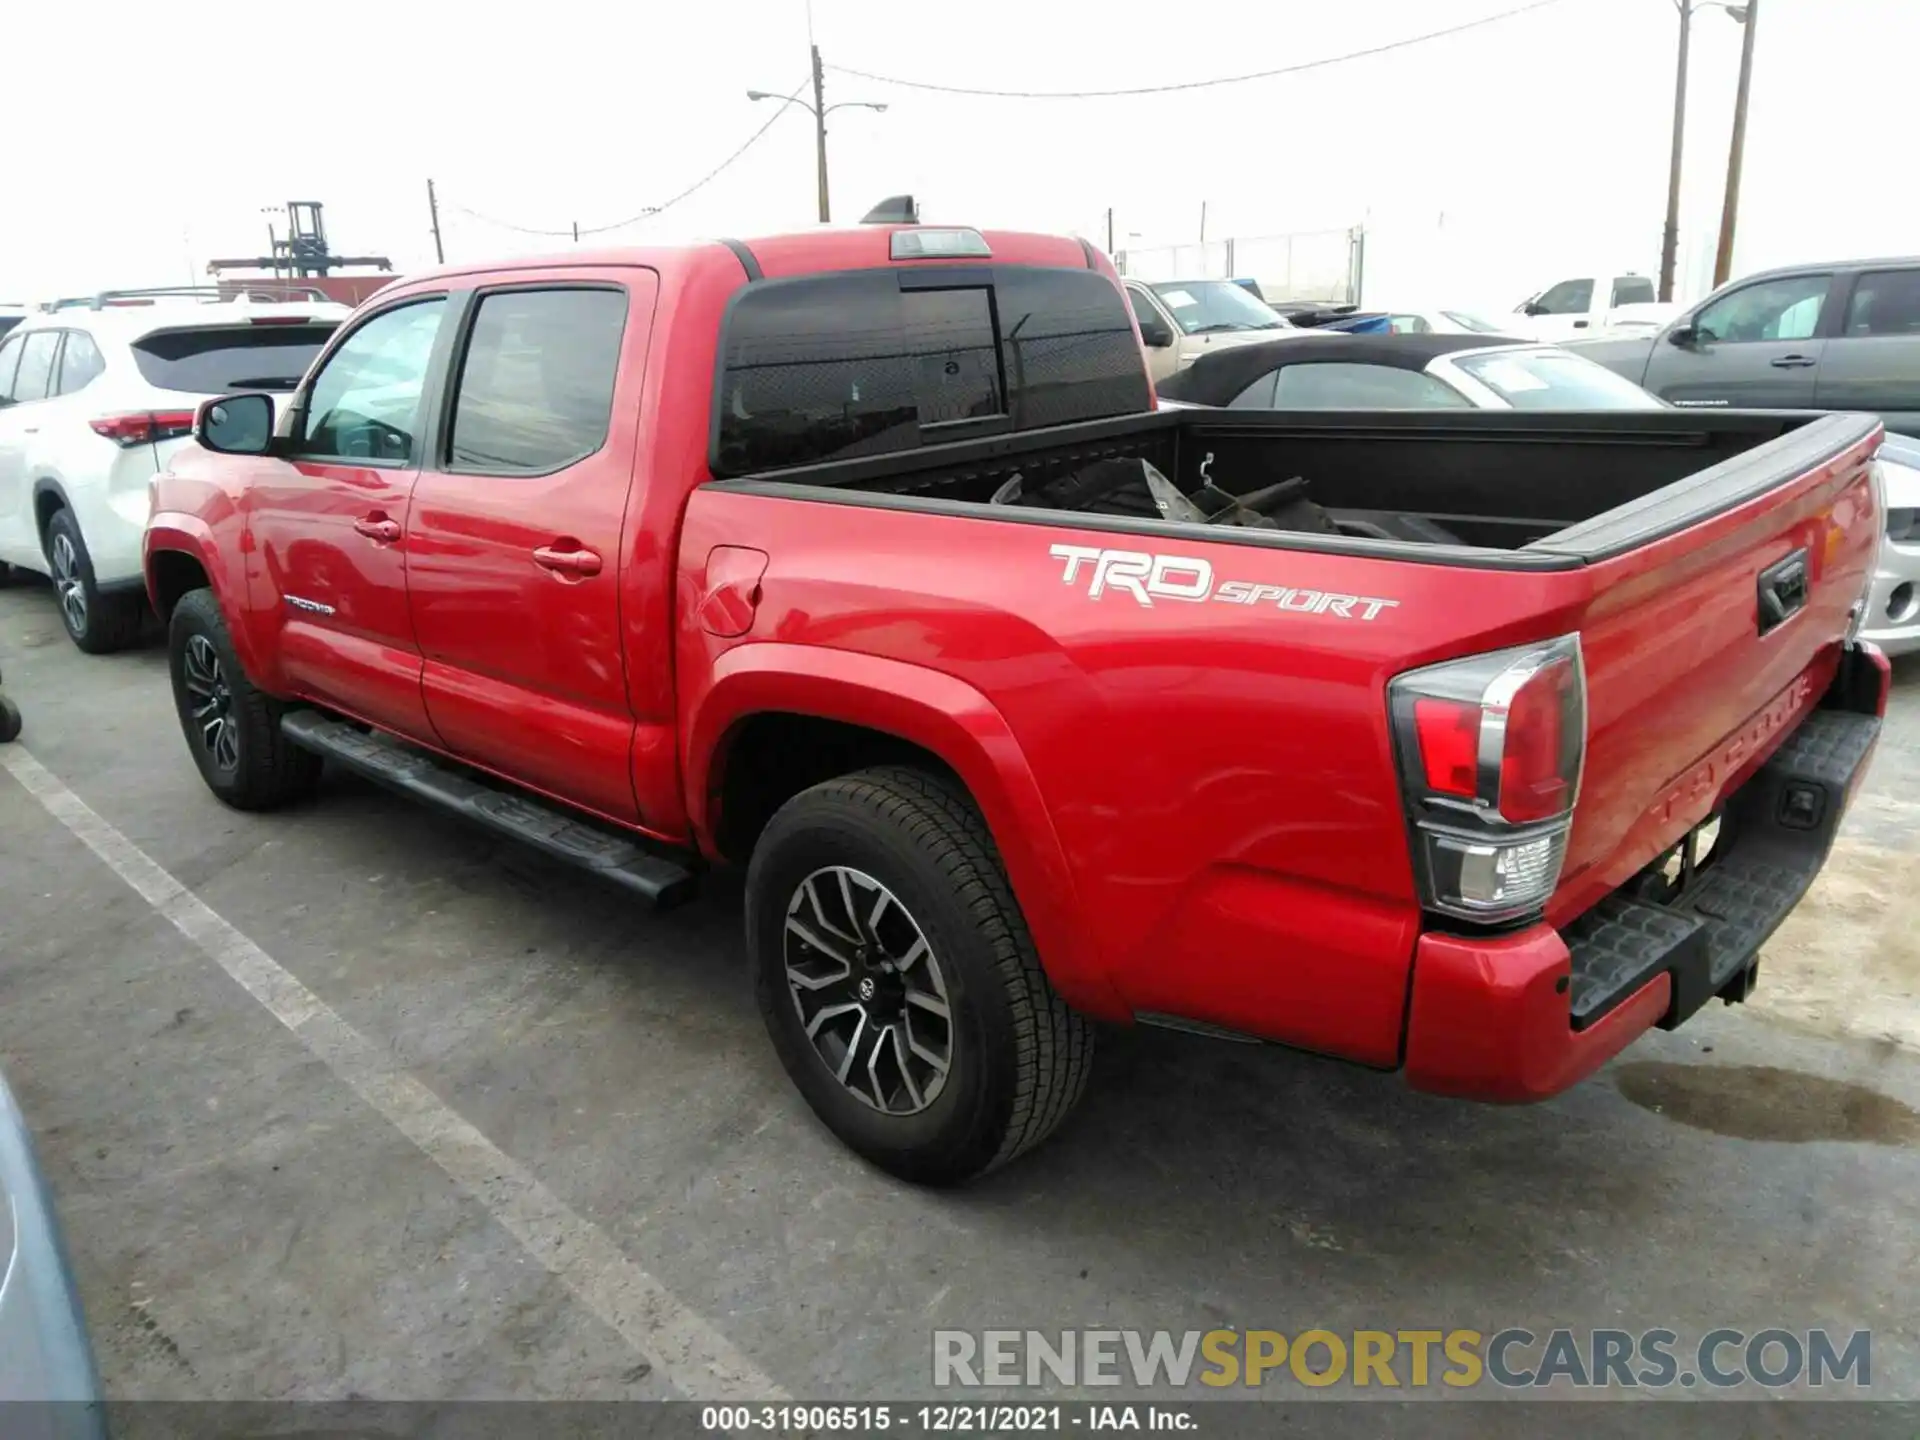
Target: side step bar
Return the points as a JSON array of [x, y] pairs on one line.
[[548, 828]]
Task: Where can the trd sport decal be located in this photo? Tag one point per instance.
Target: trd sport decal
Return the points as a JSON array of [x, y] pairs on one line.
[[1185, 577]]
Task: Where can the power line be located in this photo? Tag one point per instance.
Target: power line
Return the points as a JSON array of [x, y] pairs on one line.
[[1195, 84], [652, 210]]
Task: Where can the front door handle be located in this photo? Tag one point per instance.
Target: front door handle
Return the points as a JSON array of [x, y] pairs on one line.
[[378, 527], [1793, 362], [567, 560]]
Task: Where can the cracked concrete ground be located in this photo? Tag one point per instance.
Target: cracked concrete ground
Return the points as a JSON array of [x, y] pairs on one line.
[[246, 1225]]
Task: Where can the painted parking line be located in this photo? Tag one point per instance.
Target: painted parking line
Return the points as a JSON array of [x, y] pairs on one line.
[[686, 1351]]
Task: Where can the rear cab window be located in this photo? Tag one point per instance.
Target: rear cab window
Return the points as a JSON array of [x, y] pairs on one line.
[[221, 359], [1633, 290], [866, 362]]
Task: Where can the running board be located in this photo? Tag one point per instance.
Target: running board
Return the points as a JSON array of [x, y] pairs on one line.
[[548, 828]]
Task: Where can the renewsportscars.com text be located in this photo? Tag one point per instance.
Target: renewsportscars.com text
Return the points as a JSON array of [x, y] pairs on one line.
[[1513, 1358]]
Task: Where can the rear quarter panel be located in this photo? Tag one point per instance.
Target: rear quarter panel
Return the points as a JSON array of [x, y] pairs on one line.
[[1215, 777]]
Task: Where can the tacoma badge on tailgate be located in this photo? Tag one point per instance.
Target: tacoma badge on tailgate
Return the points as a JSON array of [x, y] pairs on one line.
[[1187, 577]]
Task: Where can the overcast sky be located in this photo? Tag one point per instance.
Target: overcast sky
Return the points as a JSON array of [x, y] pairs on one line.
[[1484, 164]]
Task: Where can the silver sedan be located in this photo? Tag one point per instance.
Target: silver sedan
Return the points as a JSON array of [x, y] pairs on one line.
[[1893, 603]]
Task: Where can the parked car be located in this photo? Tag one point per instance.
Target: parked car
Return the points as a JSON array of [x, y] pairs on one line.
[[10, 316], [1893, 605], [860, 559], [1826, 337], [1181, 320], [1395, 372], [1590, 305], [1443, 320], [48, 1383], [94, 396], [1333, 317]]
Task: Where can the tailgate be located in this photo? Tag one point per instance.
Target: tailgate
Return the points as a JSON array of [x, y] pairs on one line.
[[1715, 624]]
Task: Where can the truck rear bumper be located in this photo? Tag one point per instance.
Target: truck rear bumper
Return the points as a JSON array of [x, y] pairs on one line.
[[1523, 1016]]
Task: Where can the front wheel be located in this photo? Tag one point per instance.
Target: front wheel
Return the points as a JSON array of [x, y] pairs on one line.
[[899, 984], [232, 728]]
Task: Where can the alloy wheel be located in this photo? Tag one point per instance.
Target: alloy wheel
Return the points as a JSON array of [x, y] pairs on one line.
[[869, 990], [68, 584], [210, 698]]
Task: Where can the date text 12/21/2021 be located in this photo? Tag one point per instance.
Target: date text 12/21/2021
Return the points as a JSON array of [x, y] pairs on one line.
[[960, 1419]]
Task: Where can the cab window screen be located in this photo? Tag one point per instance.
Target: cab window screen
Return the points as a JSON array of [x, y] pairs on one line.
[[845, 365]]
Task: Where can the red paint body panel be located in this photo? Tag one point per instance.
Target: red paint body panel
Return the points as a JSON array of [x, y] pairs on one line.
[[362, 657], [1197, 805], [1489, 1020]]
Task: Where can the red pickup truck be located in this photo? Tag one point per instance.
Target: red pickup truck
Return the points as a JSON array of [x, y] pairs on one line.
[[1465, 744]]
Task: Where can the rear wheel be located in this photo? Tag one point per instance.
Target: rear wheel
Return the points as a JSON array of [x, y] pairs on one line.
[[898, 981], [232, 728], [98, 623], [9, 720]]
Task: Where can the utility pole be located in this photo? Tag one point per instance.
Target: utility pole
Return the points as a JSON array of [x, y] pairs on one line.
[[1203, 222], [1670, 238], [433, 210], [1109, 230], [1730, 209], [820, 135]]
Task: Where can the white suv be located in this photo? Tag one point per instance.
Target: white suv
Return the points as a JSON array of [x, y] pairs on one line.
[[94, 396]]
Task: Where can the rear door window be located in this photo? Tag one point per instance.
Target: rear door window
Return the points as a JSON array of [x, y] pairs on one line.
[[536, 383], [867, 362], [37, 356], [223, 359], [1885, 302]]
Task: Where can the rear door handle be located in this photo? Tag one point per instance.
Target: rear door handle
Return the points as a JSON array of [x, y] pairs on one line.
[[567, 558], [378, 527], [1793, 362]]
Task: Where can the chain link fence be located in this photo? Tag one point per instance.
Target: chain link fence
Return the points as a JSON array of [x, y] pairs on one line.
[[1322, 265]]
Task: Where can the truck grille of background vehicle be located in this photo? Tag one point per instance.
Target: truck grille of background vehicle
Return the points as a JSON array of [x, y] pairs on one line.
[[1491, 750]]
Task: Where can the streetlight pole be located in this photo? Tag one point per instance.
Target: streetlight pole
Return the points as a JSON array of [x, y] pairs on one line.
[[1749, 15], [819, 110], [1670, 238], [820, 136]]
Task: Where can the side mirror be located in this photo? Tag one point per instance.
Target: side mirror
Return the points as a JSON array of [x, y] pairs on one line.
[[1156, 333], [1683, 335], [235, 424], [1534, 307]]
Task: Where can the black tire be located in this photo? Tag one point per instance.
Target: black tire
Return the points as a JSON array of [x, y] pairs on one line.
[[9, 720], [99, 624], [259, 770], [1018, 1057]]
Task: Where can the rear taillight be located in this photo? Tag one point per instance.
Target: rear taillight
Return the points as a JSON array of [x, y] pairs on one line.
[[141, 427], [1490, 754]]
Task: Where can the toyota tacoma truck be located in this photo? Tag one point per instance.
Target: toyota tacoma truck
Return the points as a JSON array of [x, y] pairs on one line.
[[1467, 745]]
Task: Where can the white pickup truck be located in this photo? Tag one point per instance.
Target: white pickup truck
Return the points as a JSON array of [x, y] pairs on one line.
[[1587, 306]]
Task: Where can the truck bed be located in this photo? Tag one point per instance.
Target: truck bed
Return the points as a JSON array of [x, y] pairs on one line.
[[1548, 489]]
